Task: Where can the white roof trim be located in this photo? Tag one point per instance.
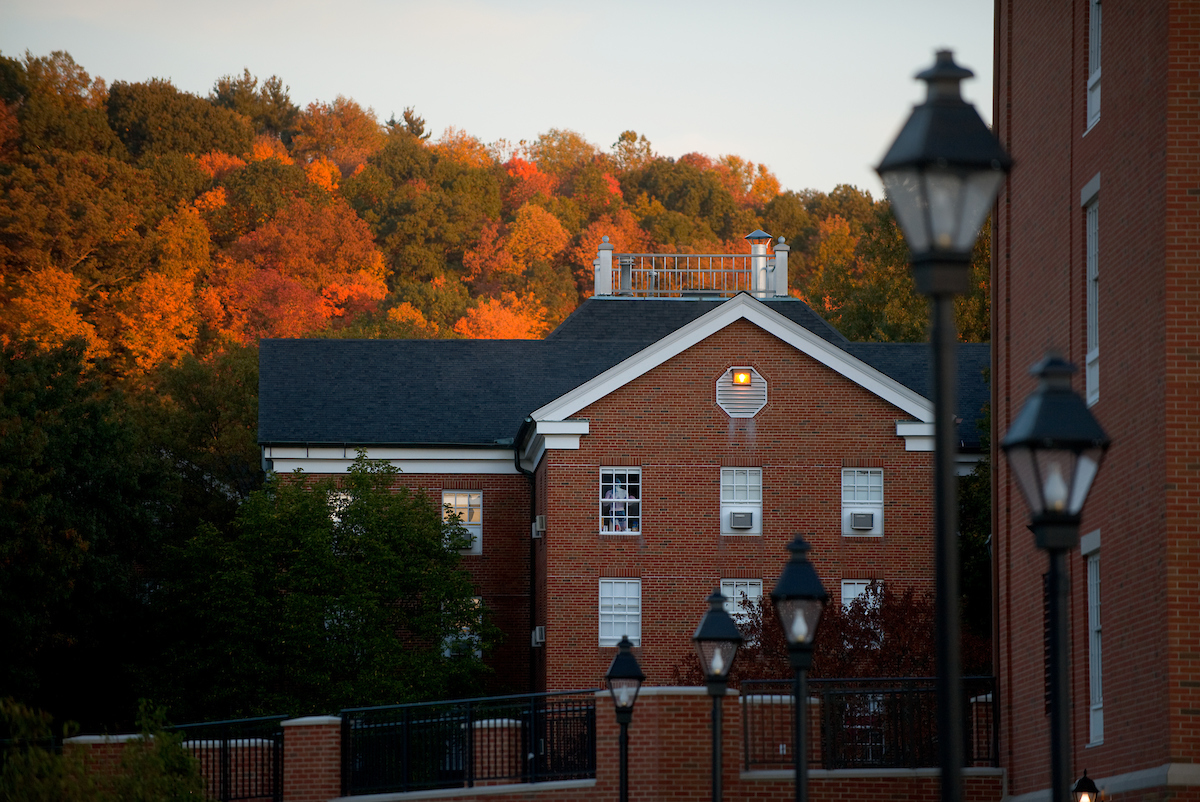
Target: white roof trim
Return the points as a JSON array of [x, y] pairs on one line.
[[551, 434], [742, 306], [411, 460]]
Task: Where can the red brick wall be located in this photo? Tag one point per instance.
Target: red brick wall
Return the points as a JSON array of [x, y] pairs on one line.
[[667, 422], [312, 759], [1144, 502]]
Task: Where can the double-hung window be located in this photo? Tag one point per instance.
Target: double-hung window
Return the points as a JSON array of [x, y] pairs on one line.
[[741, 595], [741, 501], [468, 506], [1093, 81], [862, 501], [1089, 198], [620, 611], [620, 500]]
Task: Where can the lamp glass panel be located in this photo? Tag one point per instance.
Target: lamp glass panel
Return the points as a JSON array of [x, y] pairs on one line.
[[624, 691], [1056, 472], [944, 190], [979, 193], [1085, 473], [716, 657], [799, 619], [903, 189], [1025, 469]]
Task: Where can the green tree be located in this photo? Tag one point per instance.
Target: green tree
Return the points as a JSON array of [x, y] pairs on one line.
[[77, 505], [322, 595], [268, 107], [154, 117]]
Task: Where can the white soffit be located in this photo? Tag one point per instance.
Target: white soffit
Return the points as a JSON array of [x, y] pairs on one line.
[[410, 460], [741, 307]]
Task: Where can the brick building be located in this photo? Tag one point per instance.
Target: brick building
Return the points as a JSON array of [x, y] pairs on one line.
[[1107, 189], [661, 442]]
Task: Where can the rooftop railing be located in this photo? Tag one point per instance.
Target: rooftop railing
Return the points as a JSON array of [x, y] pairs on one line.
[[240, 759], [701, 275]]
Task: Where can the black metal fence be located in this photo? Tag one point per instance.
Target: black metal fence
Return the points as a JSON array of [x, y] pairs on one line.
[[864, 723], [241, 759], [469, 742]]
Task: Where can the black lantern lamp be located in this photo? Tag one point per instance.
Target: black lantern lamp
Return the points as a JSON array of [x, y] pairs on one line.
[[1054, 448], [941, 175], [800, 599], [1085, 790], [624, 680], [717, 640]]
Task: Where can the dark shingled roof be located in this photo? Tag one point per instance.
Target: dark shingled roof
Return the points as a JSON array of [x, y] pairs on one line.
[[478, 392]]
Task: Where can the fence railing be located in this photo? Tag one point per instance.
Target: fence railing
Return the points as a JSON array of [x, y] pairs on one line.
[[674, 275], [469, 742], [863, 723], [240, 759]]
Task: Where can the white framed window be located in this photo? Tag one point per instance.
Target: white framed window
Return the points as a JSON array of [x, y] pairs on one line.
[[620, 611], [468, 506], [741, 501], [1091, 550], [1092, 370], [862, 502], [620, 500], [339, 500], [1093, 82], [852, 589], [740, 593]]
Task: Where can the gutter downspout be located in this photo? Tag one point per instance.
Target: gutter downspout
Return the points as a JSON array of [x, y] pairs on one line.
[[517, 441]]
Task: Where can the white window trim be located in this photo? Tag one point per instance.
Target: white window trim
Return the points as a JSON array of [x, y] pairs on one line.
[[474, 528], [617, 510], [1089, 199], [751, 504], [852, 506], [630, 623], [1090, 548], [1095, 38], [853, 588]]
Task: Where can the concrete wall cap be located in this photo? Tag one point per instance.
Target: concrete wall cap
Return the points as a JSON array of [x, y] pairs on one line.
[[312, 721], [486, 790], [671, 690], [102, 739]]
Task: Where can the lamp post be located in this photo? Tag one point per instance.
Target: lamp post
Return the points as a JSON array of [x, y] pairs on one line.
[[624, 680], [1054, 448], [799, 599], [941, 175], [716, 640]]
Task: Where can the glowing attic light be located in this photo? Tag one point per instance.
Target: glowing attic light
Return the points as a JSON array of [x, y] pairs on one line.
[[741, 376]]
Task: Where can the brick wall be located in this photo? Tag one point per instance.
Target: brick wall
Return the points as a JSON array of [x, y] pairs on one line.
[[667, 423], [1144, 503]]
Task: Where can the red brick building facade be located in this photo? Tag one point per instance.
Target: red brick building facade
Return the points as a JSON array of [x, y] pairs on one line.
[[1106, 184], [619, 473]]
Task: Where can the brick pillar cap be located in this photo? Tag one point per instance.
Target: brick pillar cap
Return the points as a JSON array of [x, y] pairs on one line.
[[312, 721]]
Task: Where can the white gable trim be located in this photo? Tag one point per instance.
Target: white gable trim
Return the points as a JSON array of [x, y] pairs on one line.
[[741, 307], [551, 434]]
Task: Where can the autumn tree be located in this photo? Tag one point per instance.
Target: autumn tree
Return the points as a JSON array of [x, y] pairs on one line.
[[58, 105], [268, 107], [311, 264], [505, 318], [631, 151], [342, 131]]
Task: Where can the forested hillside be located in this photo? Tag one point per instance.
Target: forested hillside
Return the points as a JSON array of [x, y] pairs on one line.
[[150, 237]]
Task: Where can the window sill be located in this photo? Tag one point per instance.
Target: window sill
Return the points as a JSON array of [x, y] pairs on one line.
[[863, 535]]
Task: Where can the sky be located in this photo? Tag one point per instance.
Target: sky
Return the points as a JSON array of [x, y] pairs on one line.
[[814, 89]]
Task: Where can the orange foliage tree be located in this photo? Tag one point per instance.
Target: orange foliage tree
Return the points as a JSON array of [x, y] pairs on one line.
[[310, 264], [505, 318], [342, 131]]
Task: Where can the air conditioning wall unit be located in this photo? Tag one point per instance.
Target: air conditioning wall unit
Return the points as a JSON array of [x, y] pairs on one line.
[[862, 521], [741, 520], [539, 524], [539, 637]]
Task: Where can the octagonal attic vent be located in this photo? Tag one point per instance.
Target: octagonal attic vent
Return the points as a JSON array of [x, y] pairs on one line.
[[741, 400]]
